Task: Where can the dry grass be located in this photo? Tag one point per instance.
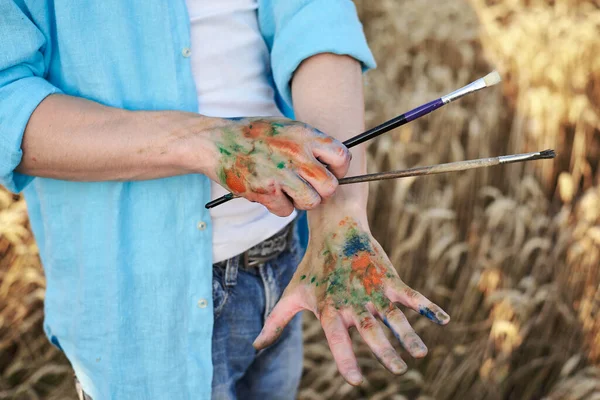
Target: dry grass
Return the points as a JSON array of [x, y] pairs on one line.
[[511, 255], [513, 252]]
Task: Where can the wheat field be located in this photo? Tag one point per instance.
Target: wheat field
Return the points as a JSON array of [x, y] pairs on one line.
[[511, 252]]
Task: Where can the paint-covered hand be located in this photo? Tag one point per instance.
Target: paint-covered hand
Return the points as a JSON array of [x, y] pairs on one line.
[[347, 280], [277, 162]]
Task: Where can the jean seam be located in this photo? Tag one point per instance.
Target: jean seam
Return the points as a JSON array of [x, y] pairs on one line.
[[263, 275], [267, 289]]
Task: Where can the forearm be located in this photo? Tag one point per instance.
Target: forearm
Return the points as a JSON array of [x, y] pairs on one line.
[[72, 138], [328, 94]]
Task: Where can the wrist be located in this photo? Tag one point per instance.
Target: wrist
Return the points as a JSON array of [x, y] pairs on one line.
[[186, 141], [343, 204]]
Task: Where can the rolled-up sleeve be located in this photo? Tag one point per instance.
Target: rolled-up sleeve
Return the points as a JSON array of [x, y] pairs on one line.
[[298, 29], [22, 87]]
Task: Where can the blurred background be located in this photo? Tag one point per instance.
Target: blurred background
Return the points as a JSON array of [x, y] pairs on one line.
[[511, 252]]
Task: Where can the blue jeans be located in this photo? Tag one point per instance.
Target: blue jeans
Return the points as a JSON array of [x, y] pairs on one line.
[[243, 297]]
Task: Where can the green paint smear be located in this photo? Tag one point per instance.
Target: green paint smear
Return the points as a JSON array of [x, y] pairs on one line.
[[337, 280], [281, 165], [275, 126], [344, 292], [379, 299], [237, 148], [222, 176], [312, 279], [303, 277], [230, 139], [224, 151]]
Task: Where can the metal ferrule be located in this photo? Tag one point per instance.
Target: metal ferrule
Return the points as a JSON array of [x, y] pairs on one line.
[[517, 158], [470, 88]]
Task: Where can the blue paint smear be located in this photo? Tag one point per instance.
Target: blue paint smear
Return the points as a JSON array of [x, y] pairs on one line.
[[356, 243], [428, 313], [385, 321]]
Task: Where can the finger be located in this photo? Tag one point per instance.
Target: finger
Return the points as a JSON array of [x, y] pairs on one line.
[[282, 314], [395, 319], [375, 338], [333, 153], [341, 348], [318, 177], [401, 293], [304, 196], [280, 205], [274, 199]]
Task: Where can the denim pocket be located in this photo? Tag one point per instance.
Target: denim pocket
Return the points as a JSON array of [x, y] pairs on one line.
[[220, 294]]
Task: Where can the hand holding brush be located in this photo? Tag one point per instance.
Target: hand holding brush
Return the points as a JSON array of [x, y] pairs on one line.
[[490, 79]]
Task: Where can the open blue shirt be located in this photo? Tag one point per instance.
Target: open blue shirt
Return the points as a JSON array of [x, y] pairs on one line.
[[128, 264]]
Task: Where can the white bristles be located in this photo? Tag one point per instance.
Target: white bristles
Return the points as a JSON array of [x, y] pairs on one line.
[[492, 79]]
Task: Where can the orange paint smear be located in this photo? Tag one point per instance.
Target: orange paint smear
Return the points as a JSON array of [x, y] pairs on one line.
[[235, 177], [313, 172], [367, 323], [234, 182], [243, 164], [364, 270], [257, 129], [286, 146], [361, 261]]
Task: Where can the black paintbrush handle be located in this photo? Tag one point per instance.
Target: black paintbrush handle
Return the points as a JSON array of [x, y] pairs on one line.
[[220, 200], [394, 123], [378, 130]]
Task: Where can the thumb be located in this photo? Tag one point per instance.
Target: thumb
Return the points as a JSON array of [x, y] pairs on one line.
[[287, 307]]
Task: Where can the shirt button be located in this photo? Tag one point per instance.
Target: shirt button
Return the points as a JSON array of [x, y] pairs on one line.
[[202, 225], [186, 52], [202, 303]]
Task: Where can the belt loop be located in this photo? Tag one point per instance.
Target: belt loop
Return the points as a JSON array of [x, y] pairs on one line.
[[231, 271]]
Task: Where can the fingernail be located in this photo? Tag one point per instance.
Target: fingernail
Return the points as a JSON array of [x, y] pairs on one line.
[[399, 366], [442, 317], [418, 349], [355, 377], [257, 341]]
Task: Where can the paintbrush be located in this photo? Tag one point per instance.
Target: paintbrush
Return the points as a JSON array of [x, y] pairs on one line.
[[449, 167], [490, 79]]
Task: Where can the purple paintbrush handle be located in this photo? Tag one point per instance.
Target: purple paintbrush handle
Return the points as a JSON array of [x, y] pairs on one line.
[[422, 110]]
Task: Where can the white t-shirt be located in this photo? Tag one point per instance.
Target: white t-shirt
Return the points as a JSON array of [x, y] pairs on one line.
[[230, 63]]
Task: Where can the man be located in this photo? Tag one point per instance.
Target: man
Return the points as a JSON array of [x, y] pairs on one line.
[[124, 111]]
